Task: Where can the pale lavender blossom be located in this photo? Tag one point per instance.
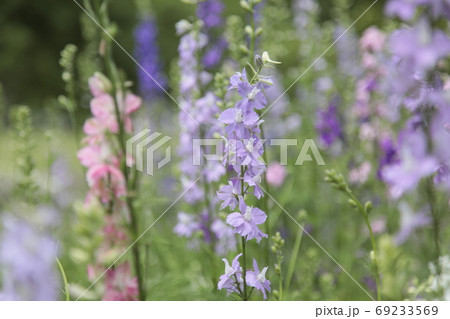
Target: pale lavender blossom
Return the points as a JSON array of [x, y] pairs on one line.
[[257, 279], [246, 221], [27, 263], [232, 274], [420, 46], [414, 163], [409, 222]]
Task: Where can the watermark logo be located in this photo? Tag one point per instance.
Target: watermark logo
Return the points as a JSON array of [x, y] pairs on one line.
[[244, 151], [141, 149], [147, 151]]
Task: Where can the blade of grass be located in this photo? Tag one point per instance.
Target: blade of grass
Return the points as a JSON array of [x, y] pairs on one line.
[[293, 259], [64, 277]]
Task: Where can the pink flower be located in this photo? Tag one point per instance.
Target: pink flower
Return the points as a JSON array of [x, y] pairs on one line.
[[275, 174], [372, 40], [119, 285], [360, 174], [99, 84], [106, 180]]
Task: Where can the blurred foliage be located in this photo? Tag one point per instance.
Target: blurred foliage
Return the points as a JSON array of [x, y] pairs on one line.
[[35, 32]]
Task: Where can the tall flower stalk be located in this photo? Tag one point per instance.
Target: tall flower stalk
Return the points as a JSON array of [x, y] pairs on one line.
[[110, 180], [244, 154], [198, 121]]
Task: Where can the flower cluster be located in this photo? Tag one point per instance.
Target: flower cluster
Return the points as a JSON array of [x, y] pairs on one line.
[[328, 124], [147, 55], [101, 155], [104, 158], [243, 154], [413, 81], [232, 279], [210, 12], [198, 119], [27, 260]]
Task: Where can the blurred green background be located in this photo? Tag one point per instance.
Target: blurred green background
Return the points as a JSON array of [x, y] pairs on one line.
[[34, 32]]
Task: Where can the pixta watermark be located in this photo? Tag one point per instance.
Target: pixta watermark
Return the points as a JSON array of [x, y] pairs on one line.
[[142, 149]]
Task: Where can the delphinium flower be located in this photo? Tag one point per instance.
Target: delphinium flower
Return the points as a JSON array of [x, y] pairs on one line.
[[409, 222], [147, 54], [414, 163], [101, 155], [414, 82], [120, 285], [103, 158], [244, 154], [210, 12], [27, 262], [198, 120], [328, 124], [416, 52], [406, 9]]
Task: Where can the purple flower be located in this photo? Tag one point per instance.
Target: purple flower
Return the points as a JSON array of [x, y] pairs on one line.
[[328, 124], [228, 279], [440, 130], [187, 225], [147, 54], [27, 260], [409, 222], [246, 221], [225, 238], [414, 163], [210, 12], [214, 54], [228, 195], [389, 155], [421, 47], [406, 9], [258, 279]]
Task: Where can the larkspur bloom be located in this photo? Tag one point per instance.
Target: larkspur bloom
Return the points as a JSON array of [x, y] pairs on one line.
[[204, 109], [243, 155], [147, 54], [257, 279], [119, 285], [232, 280], [232, 273], [414, 163], [406, 9], [99, 155], [328, 124], [107, 184], [246, 221], [28, 263]]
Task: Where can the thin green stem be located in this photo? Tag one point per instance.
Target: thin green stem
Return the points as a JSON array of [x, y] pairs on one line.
[[64, 277], [116, 81], [365, 214], [244, 269], [293, 259]]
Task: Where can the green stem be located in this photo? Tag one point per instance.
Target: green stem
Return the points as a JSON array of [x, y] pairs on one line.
[[293, 259], [244, 269], [373, 243], [431, 196], [64, 277]]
